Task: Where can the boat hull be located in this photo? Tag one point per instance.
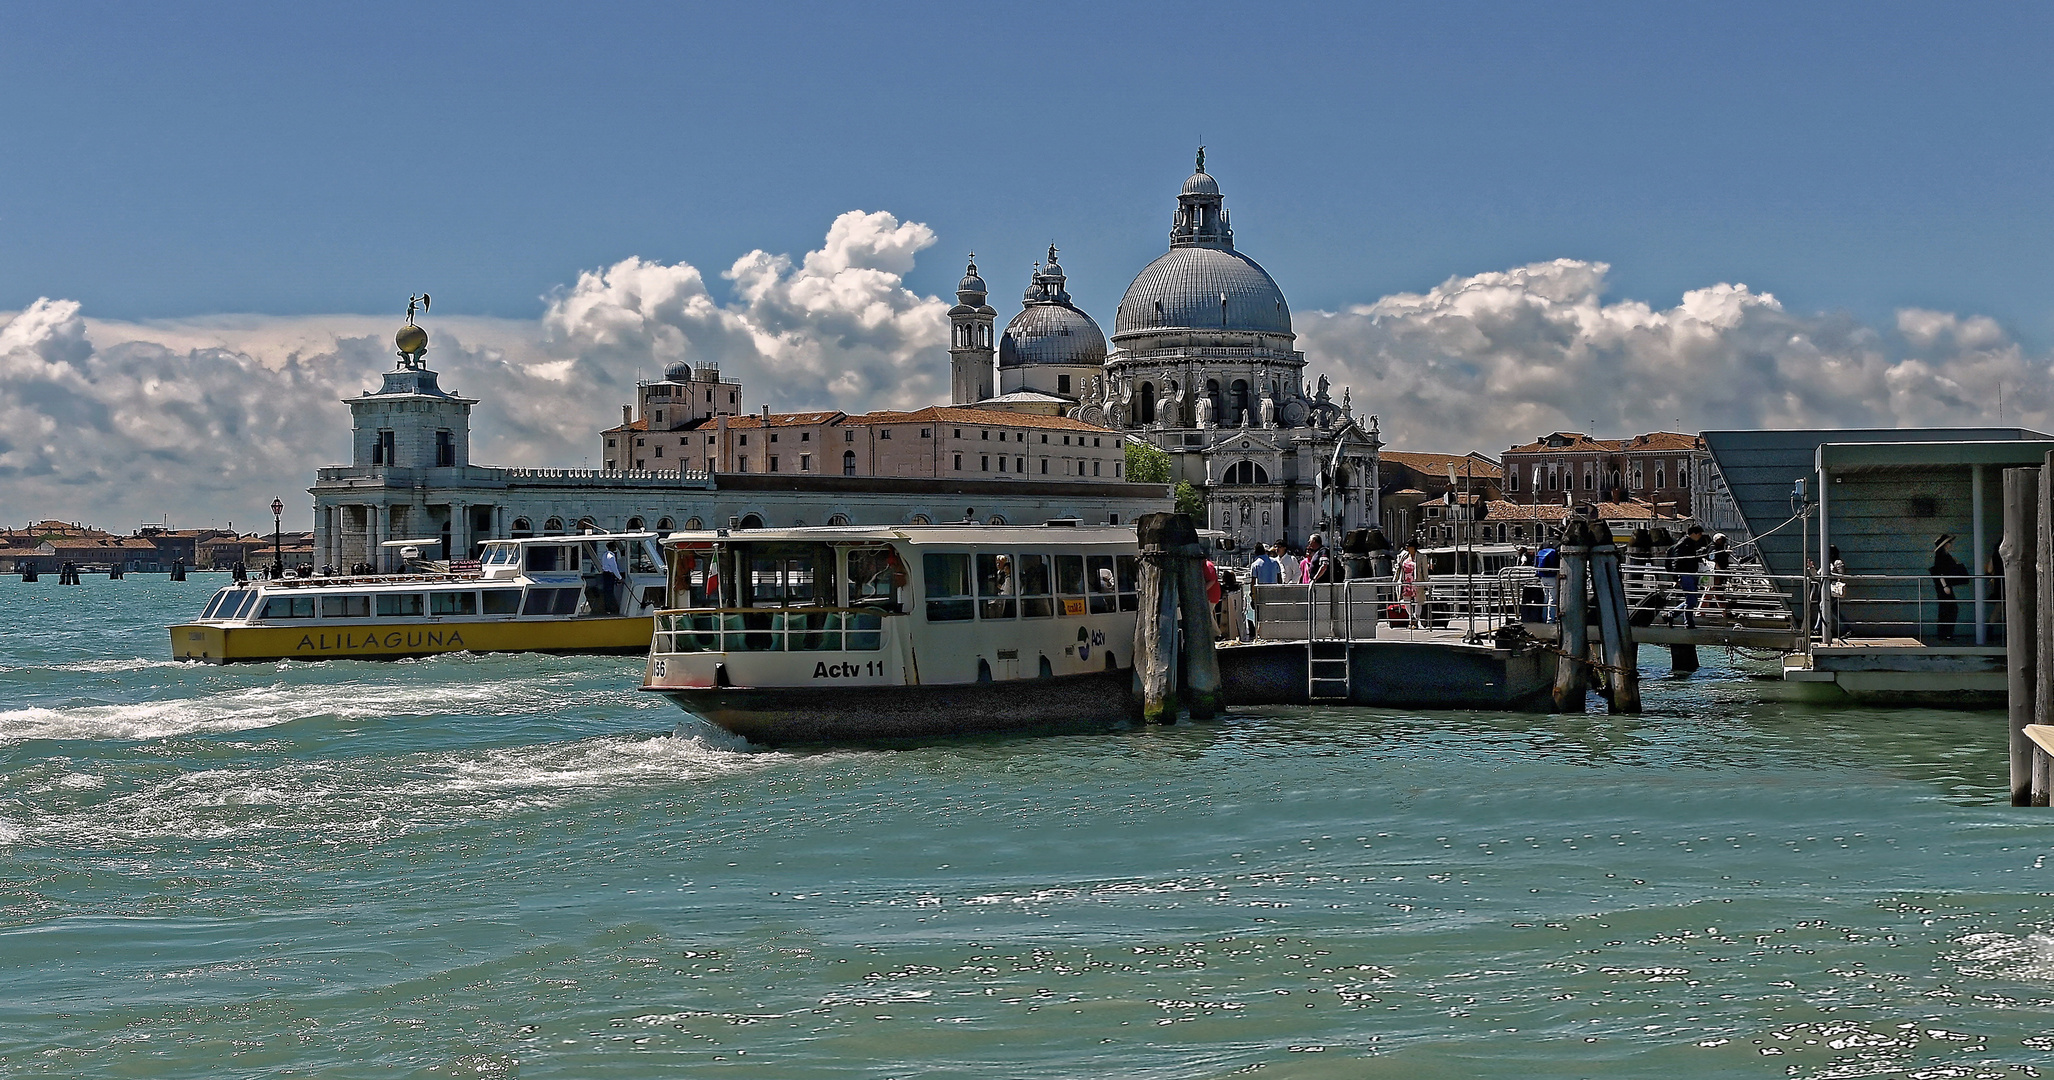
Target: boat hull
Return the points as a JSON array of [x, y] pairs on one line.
[[1385, 673], [802, 715], [217, 644]]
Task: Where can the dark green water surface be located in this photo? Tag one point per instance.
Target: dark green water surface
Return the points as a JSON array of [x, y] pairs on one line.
[[520, 866]]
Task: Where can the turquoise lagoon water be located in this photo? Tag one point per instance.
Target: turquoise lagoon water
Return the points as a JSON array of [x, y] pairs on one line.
[[519, 866]]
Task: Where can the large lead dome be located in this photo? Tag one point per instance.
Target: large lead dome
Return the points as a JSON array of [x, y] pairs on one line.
[[1202, 283]]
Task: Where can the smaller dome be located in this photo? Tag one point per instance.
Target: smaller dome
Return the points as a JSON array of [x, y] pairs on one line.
[[678, 372], [1201, 184], [971, 283], [1051, 333]]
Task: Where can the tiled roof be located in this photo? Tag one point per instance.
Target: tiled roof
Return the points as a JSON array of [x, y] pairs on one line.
[[1577, 441], [1499, 510], [933, 414], [1466, 465], [1664, 440]]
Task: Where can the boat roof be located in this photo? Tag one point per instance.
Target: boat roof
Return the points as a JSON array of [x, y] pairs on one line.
[[567, 538], [957, 534]]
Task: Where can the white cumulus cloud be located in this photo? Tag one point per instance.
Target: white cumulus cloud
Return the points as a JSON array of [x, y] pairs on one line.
[[206, 419]]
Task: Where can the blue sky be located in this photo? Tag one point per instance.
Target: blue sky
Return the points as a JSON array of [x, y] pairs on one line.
[[168, 160], [1491, 220]]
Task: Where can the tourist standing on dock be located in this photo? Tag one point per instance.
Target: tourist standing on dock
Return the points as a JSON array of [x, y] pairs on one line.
[[1289, 569], [1547, 566], [1318, 567], [1686, 560], [1264, 570], [1948, 575], [1409, 589], [1832, 591]]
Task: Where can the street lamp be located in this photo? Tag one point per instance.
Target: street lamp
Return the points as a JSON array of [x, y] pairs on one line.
[[277, 540]]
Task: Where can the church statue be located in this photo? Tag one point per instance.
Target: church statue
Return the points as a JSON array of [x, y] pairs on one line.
[[1269, 408], [1322, 396], [1205, 410]]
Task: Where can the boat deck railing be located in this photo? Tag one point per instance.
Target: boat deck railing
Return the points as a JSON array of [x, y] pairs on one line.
[[815, 629]]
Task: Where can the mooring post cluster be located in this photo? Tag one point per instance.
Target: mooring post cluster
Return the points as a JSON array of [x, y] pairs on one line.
[[2027, 549], [1590, 575], [1172, 584]]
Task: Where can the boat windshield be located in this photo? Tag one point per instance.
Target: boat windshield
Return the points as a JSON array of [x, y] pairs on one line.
[[214, 605]]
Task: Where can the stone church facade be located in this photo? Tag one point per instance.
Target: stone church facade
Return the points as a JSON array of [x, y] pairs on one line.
[[1203, 363]]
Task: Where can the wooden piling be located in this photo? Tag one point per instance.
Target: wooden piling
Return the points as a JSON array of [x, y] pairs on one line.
[[1172, 581], [1571, 673], [2043, 557], [1615, 629], [2020, 552]]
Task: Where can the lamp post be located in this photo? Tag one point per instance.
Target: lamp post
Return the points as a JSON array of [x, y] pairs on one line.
[[277, 540]]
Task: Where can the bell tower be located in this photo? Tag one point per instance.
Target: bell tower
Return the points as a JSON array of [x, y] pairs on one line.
[[411, 422], [971, 347]]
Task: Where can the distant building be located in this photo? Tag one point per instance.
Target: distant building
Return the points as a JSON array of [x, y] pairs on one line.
[[1420, 504], [1654, 469]]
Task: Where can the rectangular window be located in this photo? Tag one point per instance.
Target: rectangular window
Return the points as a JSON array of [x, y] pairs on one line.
[[1002, 463], [288, 607], [744, 440], [401, 604], [773, 463], [773, 436], [501, 601], [1062, 384], [452, 603], [1020, 464], [884, 433], [709, 440], [996, 588], [551, 602], [1044, 466], [1044, 438], [1070, 583], [848, 436], [345, 607], [805, 436], [1094, 468], [1116, 470], [805, 462], [1104, 585], [1094, 442], [1037, 587], [946, 581], [609, 444], [1066, 440], [927, 433], [382, 449], [959, 463], [985, 435], [659, 451], [741, 464], [959, 433], [1130, 580], [985, 463]]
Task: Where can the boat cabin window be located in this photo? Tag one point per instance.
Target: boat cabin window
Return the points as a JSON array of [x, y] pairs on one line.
[[642, 557], [788, 575], [1104, 585], [345, 607], [551, 602], [995, 587], [400, 604], [1130, 581], [875, 577], [452, 603], [689, 585], [242, 605], [288, 607], [215, 604], [501, 555], [1037, 587], [1070, 583], [547, 558], [945, 578], [501, 601]]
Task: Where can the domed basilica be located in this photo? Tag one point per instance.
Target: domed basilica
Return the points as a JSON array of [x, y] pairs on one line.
[[1203, 364]]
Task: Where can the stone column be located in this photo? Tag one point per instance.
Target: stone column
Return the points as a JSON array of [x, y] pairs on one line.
[[459, 531]]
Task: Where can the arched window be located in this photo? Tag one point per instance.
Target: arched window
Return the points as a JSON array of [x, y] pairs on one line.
[[634, 524], [586, 522], [1237, 402], [1212, 390], [664, 524], [848, 463], [1245, 472], [522, 528], [693, 524], [838, 519], [919, 519], [751, 521], [552, 527], [998, 519], [1144, 407]]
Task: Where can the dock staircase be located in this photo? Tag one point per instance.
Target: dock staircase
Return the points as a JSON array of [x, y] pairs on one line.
[[1329, 660]]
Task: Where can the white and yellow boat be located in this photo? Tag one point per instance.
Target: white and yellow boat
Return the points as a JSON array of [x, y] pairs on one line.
[[825, 634], [541, 594]]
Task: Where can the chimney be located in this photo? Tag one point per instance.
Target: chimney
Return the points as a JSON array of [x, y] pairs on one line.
[[627, 415], [766, 414]]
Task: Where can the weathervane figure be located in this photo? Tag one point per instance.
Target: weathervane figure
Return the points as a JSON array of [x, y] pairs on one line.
[[1201, 157], [420, 301]]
